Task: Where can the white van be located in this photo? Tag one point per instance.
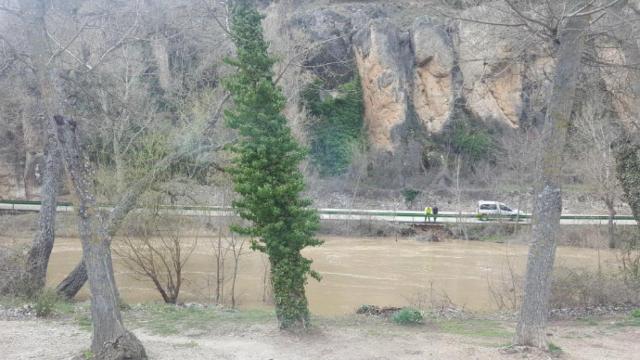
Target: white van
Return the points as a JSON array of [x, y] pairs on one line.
[[495, 208]]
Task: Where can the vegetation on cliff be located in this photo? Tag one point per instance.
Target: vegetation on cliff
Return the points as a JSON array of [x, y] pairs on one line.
[[336, 126]]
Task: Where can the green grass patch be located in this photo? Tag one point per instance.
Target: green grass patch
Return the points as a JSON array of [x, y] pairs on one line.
[[168, 319], [164, 319], [88, 355], [474, 327], [64, 307], [46, 304], [84, 322], [554, 349], [632, 320]]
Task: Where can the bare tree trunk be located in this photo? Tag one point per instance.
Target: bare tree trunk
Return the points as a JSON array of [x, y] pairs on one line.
[[461, 224], [266, 283], [611, 224], [233, 282], [71, 285], [219, 266], [353, 199], [237, 248], [221, 248], [532, 321], [37, 261], [165, 297], [48, 103], [517, 225], [119, 163], [110, 338], [38, 255]]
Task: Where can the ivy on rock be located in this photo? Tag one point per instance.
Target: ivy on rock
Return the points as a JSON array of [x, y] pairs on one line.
[[337, 124]]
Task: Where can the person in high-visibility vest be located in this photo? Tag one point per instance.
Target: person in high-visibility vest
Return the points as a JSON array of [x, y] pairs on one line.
[[428, 211]]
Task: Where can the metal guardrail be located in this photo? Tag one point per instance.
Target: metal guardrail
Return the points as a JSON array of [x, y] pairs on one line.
[[31, 205]]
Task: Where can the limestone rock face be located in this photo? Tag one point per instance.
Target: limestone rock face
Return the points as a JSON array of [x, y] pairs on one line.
[[433, 95], [331, 61], [413, 75], [382, 54], [492, 80], [536, 84]]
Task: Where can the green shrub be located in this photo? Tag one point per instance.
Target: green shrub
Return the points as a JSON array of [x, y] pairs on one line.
[[409, 196], [337, 125], [408, 316], [468, 137], [45, 302], [635, 313], [474, 143]]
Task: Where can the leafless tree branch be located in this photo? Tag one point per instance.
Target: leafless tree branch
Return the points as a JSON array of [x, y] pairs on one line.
[[528, 18]]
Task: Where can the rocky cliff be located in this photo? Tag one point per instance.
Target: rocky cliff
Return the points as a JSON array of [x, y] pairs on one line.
[[418, 69]]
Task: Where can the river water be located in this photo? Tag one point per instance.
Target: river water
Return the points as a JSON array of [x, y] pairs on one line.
[[355, 271]]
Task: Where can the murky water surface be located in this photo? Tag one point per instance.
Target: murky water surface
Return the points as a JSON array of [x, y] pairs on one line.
[[355, 271]]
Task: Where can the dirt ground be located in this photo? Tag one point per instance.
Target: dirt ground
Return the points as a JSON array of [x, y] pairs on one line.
[[62, 339]]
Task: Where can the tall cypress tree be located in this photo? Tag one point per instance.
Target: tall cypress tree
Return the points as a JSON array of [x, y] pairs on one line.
[[265, 170]]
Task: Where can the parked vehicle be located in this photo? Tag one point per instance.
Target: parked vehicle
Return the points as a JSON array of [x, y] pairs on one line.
[[487, 209]]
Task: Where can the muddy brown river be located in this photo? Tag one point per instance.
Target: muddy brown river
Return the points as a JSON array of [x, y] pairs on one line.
[[355, 271]]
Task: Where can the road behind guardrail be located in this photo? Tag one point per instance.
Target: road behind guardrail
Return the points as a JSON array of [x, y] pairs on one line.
[[402, 216]]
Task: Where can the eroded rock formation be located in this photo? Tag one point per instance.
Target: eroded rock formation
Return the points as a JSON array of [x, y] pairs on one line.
[[381, 52], [433, 94], [414, 74], [492, 77]]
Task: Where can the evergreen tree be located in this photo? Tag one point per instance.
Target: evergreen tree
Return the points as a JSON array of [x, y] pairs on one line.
[[265, 170]]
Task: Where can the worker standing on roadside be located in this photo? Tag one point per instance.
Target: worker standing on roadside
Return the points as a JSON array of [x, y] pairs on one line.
[[428, 211], [435, 213]]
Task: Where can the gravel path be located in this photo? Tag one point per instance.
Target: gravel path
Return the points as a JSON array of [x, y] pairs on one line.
[[50, 339]]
